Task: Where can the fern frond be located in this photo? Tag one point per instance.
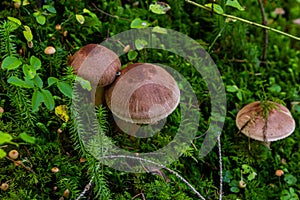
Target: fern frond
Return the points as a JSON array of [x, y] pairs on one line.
[[21, 102], [87, 133], [7, 45]]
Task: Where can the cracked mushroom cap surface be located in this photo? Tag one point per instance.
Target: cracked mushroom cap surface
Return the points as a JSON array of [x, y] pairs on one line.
[[143, 93], [96, 63], [279, 123]]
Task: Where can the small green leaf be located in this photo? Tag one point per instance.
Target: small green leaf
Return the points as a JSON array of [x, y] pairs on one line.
[[227, 176], [132, 55], [138, 23], [215, 7], [234, 189], [29, 82], [18, 82], [86, 10], [52, 80], [159, 8], [38, 81], [275, 88], [239, 95], [161, 30], [2, 153], [65, 88], [37, 99], [51, 9], [80, 18], [41, 19], [232, 88], [17, 21], [140, 44], [246, 169], [11, 63], [235, 4], [35, 62], [29, 71], [85, 84], [290, 179], [27, 33], [251, 176], [5, 138], [27, 138], [48, 99]]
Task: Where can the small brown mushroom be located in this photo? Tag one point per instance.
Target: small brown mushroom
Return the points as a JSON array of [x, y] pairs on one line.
[[13, 154], [278, 124], [96, 64], [1, 110], [143, 94], [279, 172], [49, 50], [4, 186], [54, 169]]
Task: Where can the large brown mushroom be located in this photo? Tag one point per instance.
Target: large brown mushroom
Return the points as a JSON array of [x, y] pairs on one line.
[[143, 94], [96, 64], [277, 124]]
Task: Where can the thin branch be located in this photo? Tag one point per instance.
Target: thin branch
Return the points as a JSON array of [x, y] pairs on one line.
[[110, 15], [264, 22], [86, 188], [221, 166], [244, 20], [162, 166]]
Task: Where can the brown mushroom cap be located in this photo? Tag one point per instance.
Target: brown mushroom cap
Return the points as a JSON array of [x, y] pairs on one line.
[[280, 123], [143, 93], [96, 63]]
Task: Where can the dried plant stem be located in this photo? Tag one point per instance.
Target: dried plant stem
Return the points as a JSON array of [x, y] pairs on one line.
[[110, 15], [86, 188], [221, 166], [244, 20], [264, 22], [162, 166]]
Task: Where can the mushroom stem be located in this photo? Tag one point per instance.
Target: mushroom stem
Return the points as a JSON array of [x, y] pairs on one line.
[[99, 96]]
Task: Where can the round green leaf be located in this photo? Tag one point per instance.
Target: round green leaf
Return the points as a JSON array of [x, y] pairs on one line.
[[80, 18], [49, 8], [138, 23], [159, 8], [5, 138], [132, 55], [10, 63], [41, 19], [234, 189], [35, 62], [2, 153], [65, 88], [52, 80], [85, 84], [140, 44]]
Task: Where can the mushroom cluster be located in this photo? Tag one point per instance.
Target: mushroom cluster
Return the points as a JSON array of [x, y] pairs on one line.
[[97, 64], [276, 125], [141, 93]]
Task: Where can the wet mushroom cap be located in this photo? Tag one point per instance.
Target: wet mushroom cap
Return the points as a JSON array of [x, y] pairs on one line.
[[96, 63], [143, 93], [280, 123]]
